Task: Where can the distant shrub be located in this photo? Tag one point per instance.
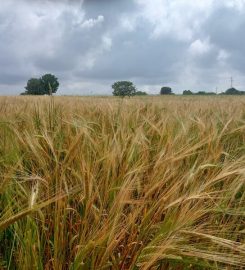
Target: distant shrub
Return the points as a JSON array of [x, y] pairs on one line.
[[187, 92], [205, 93], [140, 93]]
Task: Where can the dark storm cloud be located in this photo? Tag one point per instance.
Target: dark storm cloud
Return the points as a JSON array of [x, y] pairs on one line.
[[89, 44], [133, 55]]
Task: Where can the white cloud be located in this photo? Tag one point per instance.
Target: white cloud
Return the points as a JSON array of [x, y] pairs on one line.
[[178, 18], [128, 23], [237, 4], [199, 47], [107, 42], [223, 55], [90, 23]]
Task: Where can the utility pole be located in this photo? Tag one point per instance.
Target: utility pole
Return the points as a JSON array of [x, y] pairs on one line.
[[232, 82]]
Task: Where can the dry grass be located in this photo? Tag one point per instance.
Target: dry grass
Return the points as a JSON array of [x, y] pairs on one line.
[[143, 183]]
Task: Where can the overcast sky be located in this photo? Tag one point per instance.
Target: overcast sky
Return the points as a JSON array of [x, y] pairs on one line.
[[90, 44]]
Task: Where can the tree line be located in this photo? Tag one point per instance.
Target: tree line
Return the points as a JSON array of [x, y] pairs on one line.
[[230, 91], [49, 84], [126, 88]]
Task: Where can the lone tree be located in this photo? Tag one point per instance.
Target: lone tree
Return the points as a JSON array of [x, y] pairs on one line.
[[46, 85], [166, 91], [123, 88]]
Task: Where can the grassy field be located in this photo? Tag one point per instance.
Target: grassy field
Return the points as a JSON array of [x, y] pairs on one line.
[[140, 183]]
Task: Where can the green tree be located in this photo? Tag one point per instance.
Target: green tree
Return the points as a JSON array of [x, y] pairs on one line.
[[166, 91], [123, 88], [46, 85], [49, 84], [33, 87]]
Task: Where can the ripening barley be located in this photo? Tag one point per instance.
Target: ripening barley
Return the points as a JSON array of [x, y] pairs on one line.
[[139, 183]]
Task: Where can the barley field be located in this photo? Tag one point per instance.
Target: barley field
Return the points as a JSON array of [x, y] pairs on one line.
[[136, 183]]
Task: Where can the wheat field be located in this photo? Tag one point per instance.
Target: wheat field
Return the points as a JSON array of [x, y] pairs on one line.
[[134, 183]]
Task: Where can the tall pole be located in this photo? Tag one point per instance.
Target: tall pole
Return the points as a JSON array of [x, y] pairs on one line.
[[232, 82]]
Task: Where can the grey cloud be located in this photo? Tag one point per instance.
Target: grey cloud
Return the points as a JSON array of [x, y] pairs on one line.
[[88, 47], [134, 55], [226, 28]]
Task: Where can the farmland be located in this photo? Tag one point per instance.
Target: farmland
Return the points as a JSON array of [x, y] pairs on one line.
[[133, 183]]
